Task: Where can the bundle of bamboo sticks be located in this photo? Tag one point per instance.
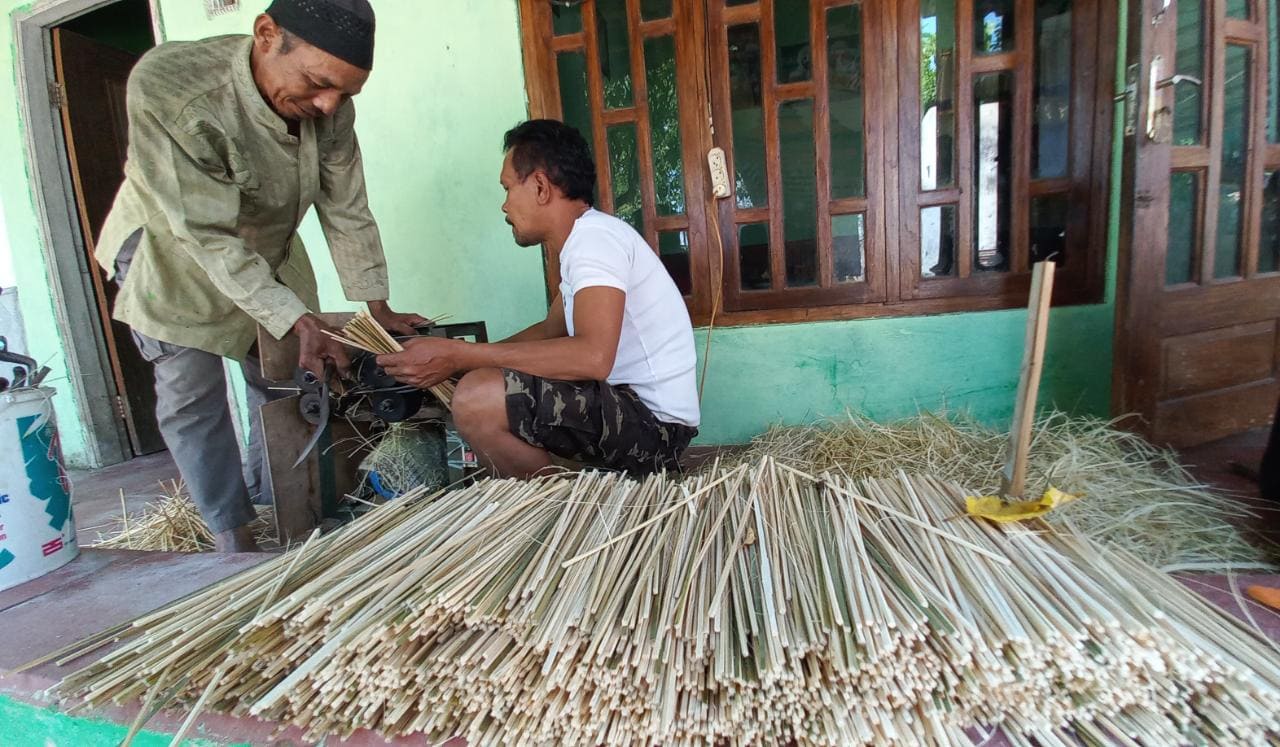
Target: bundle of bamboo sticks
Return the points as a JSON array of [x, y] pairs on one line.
[[753, 605], [364, 333]]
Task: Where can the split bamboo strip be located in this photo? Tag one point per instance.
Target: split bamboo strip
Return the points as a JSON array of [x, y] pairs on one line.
[[786, 607]]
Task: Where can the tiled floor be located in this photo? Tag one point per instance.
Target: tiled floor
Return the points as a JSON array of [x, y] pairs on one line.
[[1218, 464]]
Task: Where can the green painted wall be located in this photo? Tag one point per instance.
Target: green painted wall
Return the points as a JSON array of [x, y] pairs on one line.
[[431, 120], [25, 257], [27, 725]]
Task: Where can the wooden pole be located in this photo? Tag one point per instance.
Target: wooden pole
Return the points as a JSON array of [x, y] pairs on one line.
[[1013, 482]]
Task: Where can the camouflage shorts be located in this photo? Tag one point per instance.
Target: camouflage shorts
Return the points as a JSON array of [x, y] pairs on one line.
[[593, 423]]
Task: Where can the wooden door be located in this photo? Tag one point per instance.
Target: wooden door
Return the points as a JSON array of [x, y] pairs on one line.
[[1199, 282], [92, 78]]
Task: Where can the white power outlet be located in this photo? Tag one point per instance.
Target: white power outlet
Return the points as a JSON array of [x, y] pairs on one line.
[[719, 173]]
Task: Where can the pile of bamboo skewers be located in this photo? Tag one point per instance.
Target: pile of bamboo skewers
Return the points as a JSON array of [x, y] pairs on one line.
[[364, 333], [752, 605]]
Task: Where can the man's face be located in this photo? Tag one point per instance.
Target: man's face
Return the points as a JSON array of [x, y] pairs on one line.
[[301, 81], [521, 206]]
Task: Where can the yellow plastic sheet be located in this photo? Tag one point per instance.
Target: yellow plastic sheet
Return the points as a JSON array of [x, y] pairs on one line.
[[995, 508]]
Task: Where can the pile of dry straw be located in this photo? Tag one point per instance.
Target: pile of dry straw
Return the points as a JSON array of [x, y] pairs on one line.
[[172, 523], [1134, 495]]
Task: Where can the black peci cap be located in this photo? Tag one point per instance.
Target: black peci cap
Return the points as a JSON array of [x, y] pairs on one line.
[[343, 28]]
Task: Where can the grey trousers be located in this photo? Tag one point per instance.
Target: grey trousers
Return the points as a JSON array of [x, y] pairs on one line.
[[196, 424]]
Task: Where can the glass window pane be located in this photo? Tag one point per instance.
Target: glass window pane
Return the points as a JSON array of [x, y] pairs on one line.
[[664, 124], [750, 180], [673, 250], [1049, 228], [848, 247], [1237, 8], [615, 52], [1187, 104], [651, 10], [799, 191], [937, 92], [1051, 121], [571, 67], [1269, 244], [791, 31], [1235, 150], [938, 241], [844, 71], [993, 26], [1273, 71], [566, 19], [624, 166], [753, 256], [1184, 227], [993, 169]]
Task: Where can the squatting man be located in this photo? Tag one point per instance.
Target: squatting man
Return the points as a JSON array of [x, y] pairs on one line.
[[607, 378]]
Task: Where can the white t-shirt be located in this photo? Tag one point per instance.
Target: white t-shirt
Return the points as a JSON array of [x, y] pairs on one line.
[[655, 351]]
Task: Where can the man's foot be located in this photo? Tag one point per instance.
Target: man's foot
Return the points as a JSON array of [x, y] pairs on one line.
[[239, 539]]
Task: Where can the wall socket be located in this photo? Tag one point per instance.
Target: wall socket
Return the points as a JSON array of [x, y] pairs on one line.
[[719, 173]]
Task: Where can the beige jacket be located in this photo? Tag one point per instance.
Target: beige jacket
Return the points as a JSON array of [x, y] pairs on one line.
[[218, 187]]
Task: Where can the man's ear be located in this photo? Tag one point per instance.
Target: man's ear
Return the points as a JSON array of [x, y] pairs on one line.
[[545, 189], [265, 32]]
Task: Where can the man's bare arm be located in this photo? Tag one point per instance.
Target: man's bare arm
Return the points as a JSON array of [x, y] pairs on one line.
[[588, 355]]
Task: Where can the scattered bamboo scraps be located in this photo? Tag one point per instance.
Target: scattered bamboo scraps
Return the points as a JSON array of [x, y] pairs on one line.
[[783, 609], [364, 333], [172, 523]]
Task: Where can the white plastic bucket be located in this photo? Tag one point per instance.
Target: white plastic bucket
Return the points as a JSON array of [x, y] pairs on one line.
[[37, 533]]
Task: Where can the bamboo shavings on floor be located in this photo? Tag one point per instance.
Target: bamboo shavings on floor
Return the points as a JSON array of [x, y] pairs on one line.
[[364, 333], [172, 523], [1136, 496], [757, 605]]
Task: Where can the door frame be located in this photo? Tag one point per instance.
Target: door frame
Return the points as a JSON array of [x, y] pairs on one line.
[[58, 223], [1126, 390]]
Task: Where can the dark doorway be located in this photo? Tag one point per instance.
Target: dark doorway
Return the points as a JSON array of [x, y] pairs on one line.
[[93, 55]]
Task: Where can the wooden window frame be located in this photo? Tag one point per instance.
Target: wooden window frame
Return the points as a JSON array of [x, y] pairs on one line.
[[892, 286]]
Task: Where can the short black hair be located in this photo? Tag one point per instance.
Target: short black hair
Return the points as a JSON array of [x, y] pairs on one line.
[[559, 150]]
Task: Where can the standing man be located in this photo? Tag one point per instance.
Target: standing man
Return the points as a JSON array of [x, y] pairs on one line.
[[231, 140]]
